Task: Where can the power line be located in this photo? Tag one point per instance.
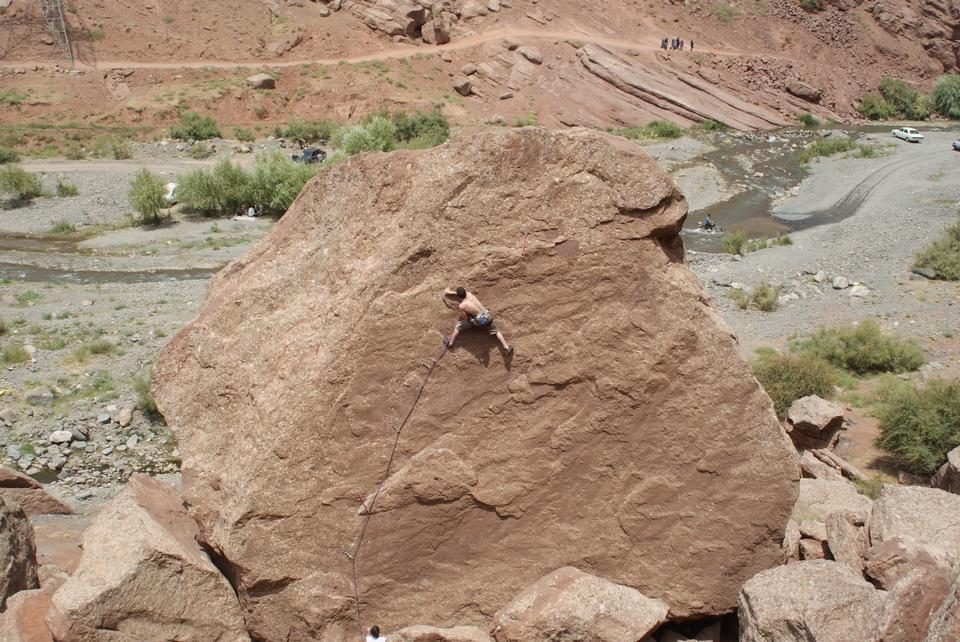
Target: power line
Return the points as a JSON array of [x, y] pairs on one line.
[[52, 11]]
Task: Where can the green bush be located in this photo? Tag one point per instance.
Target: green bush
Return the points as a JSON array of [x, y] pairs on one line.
[[199, 151], [15, 353], [811, 5], [376, 134], [4, 328], [826, 147], [733, 243], [921, 425], [8, 155], [656, 129], [712, 126], [788, 377], [276, 182], [725, 13], [243, 135], [764, 296], [66, 190], [63, 227], [870, 487], [147, 196], [943, 256], [18, 186], [193, 125], [808, 119], [308, 130], [222, 191], [781, 239], [120, 149], [905, 101], [74, 152], [946, 96], [862, 349], [530, 120], [421, 129], [145, 400], [874, 107]]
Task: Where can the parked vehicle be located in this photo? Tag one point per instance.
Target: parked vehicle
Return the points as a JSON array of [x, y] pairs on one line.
[[956, 145], [310, 155], [908, 134]]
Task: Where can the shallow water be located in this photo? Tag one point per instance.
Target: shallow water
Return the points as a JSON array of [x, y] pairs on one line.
[[32, 274]]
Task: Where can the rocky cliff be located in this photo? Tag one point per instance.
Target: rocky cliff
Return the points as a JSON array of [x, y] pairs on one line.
[[625, 437]]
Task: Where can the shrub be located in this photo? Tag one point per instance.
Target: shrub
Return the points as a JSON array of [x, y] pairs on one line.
[[826, 147], [145, 400], [733, 243], [193, 125], [4, 328], [199, 151], [712, 126], [781, 239], [15, 353], [874, 107], [100, 346], [946, 96], [276, 182], [8, 155], [788, 377], [905, 101], [862, 349], [13, 96], [920, 425], [120, 149], [62, 227], [764, 296], [808, 119], [943, 256], [74, 152], [376, 134], [220, 191], [655, 129], [725, 13], [243, 135], [19, 186], [421, 129], [530, 120], [870, 487], [146, 196], [66, 190], [308, 130], [811, 5]]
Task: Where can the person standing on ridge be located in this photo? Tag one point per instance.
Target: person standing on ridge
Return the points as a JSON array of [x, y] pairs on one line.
[[472, 314], [374, 635]]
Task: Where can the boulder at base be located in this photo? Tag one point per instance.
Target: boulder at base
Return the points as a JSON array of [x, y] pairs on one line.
[[29, 494], [817, 600], [571, 603], [421, 633], [626, 434], [144, 577], [18, 553], [927, 516]]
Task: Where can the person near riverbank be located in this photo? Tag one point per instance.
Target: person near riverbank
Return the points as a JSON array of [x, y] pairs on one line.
[[374, 635], [472, 314]]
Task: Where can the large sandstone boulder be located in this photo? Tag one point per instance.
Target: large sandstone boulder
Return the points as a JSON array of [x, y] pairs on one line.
[[25, 617], [814, 422], [928, 516], [944, 625], [569, 602], [627, 429], [909, 606], [143, 576], [818, 498], [29, 494], [18, 554], [817, 600], [887, 562], [421, 633]]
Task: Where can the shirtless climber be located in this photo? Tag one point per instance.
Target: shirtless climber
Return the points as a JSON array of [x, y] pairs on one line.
[[472, 313]]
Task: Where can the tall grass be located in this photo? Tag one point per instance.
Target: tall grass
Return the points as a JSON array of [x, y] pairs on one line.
[[943, 255], [656, 129]]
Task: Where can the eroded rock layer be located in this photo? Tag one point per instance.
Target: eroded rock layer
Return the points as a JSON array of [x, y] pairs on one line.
[[626, 436]]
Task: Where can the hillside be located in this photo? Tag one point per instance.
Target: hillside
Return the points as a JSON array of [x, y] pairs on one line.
[[754, 64]]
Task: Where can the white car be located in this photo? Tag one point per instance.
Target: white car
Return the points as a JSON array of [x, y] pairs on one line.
[[908, 134]]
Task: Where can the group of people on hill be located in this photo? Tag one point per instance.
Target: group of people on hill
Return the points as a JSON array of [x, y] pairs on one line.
[[674, 43]]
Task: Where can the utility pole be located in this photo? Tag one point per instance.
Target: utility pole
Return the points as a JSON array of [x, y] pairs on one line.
[[52, 11]]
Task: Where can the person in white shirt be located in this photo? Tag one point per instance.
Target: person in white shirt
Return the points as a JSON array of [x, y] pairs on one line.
[[375, 635]]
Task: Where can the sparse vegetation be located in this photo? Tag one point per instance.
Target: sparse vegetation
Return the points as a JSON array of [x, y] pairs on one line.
[[66, 190], [376, 134], [733, 243], [712, 126], [921, 425], [12, 96], [222, 191], [243, 135], [870, 487], [18, 186], [811, 5], [199, 151], [146, 196], [862, 349], [308, 130], [656, 129], [120, 149], [808, 119], [725, 13], [943, 255], [62, 228], [193, 125], [530, 120], [826, 147], [14, 353], [788, 377], [145, 400], [762, 297], [946, 96], [8, 155]]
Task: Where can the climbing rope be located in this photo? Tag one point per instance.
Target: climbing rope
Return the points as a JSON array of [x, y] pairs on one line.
[[368, 510]]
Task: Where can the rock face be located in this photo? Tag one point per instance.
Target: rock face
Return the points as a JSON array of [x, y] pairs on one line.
[[18, 555], [615, 434], [926, 516], [948, 477], [31, 497], [569, 602], [144, 577], [911, 603], [890, 560], [944, 626], [814, 422], [817, 600], [25, 617], [422, 633]]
